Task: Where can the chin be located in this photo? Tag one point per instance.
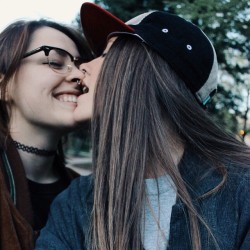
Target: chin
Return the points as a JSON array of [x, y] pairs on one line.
[[80, 117]]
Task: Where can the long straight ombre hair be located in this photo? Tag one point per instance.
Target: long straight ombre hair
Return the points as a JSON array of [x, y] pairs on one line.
[[142, 110]]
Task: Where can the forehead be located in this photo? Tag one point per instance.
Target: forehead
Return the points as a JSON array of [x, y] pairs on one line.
[[52, 37]]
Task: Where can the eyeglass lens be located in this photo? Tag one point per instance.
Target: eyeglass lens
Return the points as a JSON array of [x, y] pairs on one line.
[[59, 61]]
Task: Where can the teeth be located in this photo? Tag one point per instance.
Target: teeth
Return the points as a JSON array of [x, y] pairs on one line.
[[67, 98]]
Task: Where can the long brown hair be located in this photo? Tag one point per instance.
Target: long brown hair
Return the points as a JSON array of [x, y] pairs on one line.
[[142, 110], [14, 41]]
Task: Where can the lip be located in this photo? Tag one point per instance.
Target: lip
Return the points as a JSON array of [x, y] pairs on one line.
[[69, 92]]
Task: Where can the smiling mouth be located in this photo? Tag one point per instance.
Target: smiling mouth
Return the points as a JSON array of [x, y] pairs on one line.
[[71, 97], [67, 98]]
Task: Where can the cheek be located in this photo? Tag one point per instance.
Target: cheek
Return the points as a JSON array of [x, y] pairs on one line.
[[20, 84], [13, 91], [84, 107], [96, 70]]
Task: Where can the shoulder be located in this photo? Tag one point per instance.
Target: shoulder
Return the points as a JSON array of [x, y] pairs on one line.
[[238, 179], [82, 183], [202, 177], [233, 195], [71, 173], [79, 190]]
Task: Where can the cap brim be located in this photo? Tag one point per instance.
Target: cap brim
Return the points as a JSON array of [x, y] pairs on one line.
[[97, 24]]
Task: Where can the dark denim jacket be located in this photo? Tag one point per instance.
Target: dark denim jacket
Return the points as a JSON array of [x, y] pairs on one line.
[[226, 212]]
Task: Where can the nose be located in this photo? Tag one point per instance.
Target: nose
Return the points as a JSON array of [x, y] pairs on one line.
[[75, 75]]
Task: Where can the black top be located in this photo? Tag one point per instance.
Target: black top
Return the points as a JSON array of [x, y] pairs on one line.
[[42, 196]]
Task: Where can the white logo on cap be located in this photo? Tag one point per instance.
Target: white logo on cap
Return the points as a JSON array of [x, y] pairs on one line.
[[165, 30], [136, 20]]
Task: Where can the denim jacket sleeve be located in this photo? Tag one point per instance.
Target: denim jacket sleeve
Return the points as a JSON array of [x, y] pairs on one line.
[[243, 237]]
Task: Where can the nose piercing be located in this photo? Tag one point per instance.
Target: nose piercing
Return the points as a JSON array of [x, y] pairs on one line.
[[78, 82], [85, 89]]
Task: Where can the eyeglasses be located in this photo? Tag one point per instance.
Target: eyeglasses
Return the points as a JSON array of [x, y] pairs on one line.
[[59, 60]]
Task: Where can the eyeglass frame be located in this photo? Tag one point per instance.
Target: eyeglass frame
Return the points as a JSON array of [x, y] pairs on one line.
[[46, 49]]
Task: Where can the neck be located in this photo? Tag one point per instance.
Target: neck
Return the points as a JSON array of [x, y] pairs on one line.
[[38, 166], [39, 169], [154, 171]]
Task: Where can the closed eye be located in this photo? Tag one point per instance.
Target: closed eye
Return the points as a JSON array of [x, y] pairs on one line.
[[54, 64]]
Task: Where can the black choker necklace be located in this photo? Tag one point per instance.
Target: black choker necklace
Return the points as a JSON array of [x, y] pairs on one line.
[[33, 150]]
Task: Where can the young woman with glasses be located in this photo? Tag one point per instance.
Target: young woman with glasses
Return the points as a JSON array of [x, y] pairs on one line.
[[39, 86]]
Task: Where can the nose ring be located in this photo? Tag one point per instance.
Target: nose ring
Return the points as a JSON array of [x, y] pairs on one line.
[[78, 82]]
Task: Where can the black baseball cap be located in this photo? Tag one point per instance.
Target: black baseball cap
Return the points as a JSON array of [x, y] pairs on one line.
[[183, 45]]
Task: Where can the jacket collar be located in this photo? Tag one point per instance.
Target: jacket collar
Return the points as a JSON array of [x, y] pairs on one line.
[[199, 175]]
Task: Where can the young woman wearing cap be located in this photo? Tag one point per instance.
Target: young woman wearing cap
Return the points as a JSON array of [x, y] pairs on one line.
[[164, 175], [39, 85]]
